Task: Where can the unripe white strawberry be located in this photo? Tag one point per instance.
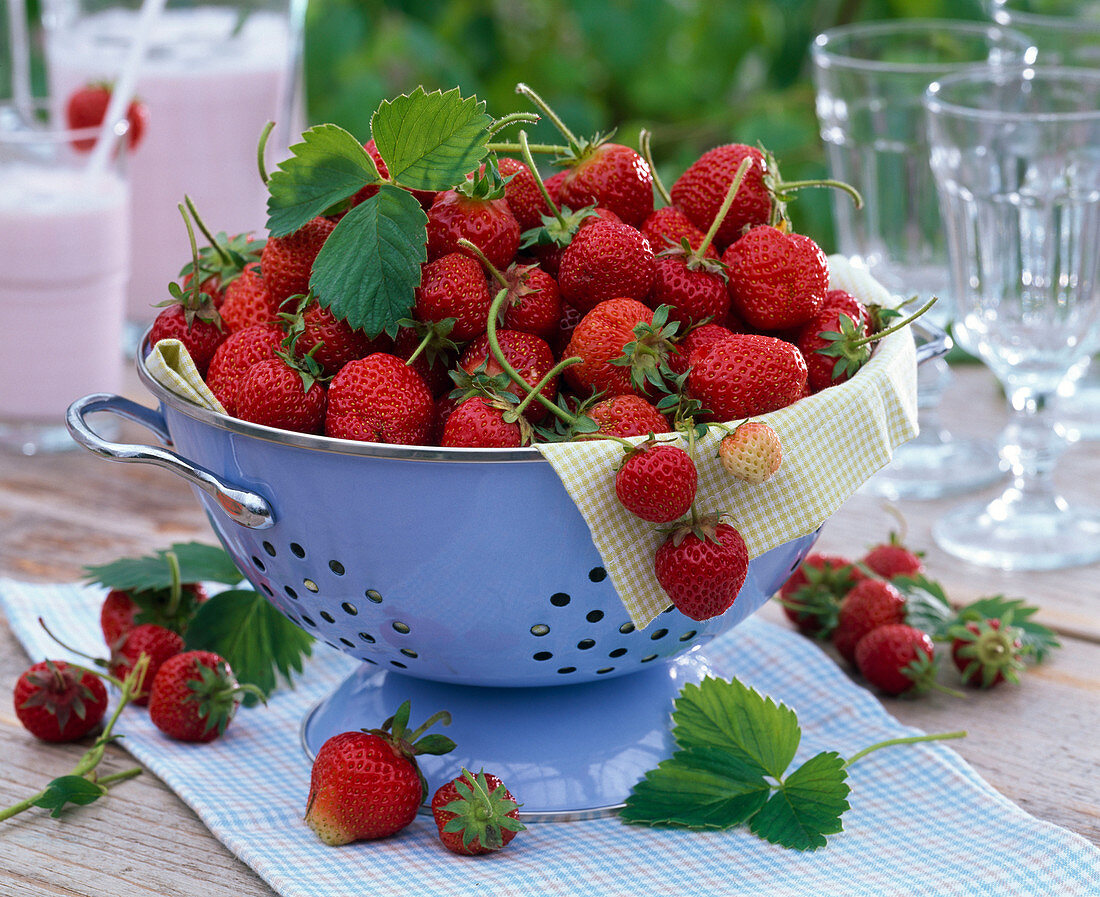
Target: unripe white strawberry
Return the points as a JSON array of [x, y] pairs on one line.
[[752, 452]]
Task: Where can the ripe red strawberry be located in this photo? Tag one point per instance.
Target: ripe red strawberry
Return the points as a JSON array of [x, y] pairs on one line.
[[193, 320], [871, 603], [892, 558], [87, 106], [121, 611], [612, 176], [657, 482], [236, 355], [367, 784], [752, 452], [668, 226], [454, 286], [475, 815], [606, 260], [339, 341], [287, 262], [702, 567], [570, 318], [522, 193], [56, 701], [987, 653], [379, 399], [693, 288], [487, 223], [149, 639], [746, 375], [247, 301], [826, 329], [628, 415], [811, 596], [434, 353], [695, 340], [534, 301], [842, 300], [530, 356], [777, 280], [897, 659], [700, 190], [479, 422], [277, 393], [601, 340], [194, 696], [548, 244]]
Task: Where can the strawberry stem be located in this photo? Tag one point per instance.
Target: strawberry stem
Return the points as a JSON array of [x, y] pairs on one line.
[[264, 135], [875, 337], [525, 148], [526, 91], [98, 661], [643, 144], [549, 149], [214, 244], [512, 118], [481, 257], [735, 185], [828, 182], [912, 739]]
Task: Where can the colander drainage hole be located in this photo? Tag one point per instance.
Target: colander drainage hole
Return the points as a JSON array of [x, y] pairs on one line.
[[618, 652], [540, 629], [267, 588], [347, 642], [259, 565], [290, 592], [541, 655], [308, 621], [597, 574], [648, 658], [336, 567], [367, 637], [603, 670], [403, 628], [399, 664], [311, 585], [350, 609], [688, 636], [659, 634], [559, 599], [565, 670], [372, 595], [585, 644], [327, 617], [626, 628], [297, 550], [269, 548], [594, 616]]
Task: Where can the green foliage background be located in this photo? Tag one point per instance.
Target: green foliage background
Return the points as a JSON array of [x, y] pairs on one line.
[[696, 73]]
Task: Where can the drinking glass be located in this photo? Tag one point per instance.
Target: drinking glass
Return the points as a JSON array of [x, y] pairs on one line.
[[869, 80], [64, 255], [1065, 32], [215, 72], [1016, 157]]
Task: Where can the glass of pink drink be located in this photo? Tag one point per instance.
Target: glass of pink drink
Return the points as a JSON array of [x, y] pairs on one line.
[[64, 259], [214, 74]]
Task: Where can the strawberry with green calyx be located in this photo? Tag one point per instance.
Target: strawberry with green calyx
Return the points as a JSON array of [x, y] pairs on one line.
[[287, 261], [426, 347], [893, 558], [987, 652], [248, 301], [746, 375], [811, 595], [836, 347], [224, 259], [332, 343], [869, 604], [379, 399], [475, 814], [195, 695], [1037, 640], [751, 451], [606, 260], [454, 287], [58, 701], [626, 416], [171, 607], [367, 784], [521, 189], [692, 339], [701, 566], [485, 422], [656, 481], [898, 659], [286, 392], [529, 355], [475, 211]]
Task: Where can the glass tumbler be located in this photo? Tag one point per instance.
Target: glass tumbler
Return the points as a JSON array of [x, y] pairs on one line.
[[869, 82], [1016, 157]]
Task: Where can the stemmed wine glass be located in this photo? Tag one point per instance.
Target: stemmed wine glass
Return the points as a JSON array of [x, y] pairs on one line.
[[1016, 157]]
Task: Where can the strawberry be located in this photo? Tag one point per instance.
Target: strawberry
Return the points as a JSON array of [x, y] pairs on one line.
[[194, 696], [454, 286], [121, 611], [987, 653], [283, 393], [828, 328], [487, 223], [548, 243], [842, 300], [695, 339], [811, 596], [668, 226], [570, 318], [534, 301], [622, 345], [612, 176], [870, 603], [522, 192], [367, 784], [247, 301], [336, 341], [752, 452], [897, 659], [475, 815], [149, 639], [702, 566], [236, 355], [87, 106], [190, 317], [56, 701], [479, 422], [432, 347], [746, 375], [379, 399], [606, 260], [700, 190], [890, 559], [656, 482], [287, 262], [628, 415], [777, 279], [692, 287], [529, 355]]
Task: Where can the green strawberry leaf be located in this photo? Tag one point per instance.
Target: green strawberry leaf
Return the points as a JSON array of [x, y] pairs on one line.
[[1036, 639], [807, 806], [327, 167], [927, 606], [431, 141], [737, 719], [368, 269], [197, 563], [255, 639], [68, 790], [701, 787]]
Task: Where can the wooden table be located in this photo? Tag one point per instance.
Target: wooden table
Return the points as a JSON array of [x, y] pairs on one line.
[[1036, 743]]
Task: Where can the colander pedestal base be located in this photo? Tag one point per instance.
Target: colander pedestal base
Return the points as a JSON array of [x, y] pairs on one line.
[[566, 752]]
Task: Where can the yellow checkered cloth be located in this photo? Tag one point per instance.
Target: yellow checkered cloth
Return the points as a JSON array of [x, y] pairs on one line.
[[832, 442], [171, 365]]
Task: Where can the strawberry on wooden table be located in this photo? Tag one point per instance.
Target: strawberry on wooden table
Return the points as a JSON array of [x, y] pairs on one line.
[[149, 640], [870, 603], [475, 814], [987, 652], [811, 595], [123, 609], [892, 558], [897, 659], [57, 701]]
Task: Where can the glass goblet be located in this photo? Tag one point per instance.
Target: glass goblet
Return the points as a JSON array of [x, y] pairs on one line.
[[1016, 157]]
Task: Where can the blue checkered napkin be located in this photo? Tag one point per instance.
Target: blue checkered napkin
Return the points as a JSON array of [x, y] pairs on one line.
[[922, 822]]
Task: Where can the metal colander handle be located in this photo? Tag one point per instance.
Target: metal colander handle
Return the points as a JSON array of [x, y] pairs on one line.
[[246, 508]]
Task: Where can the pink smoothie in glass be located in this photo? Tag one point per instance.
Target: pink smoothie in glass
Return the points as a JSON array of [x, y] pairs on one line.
[[210, 87], [64, 245]]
